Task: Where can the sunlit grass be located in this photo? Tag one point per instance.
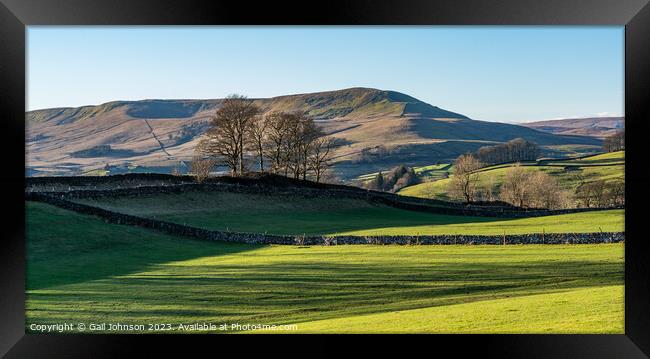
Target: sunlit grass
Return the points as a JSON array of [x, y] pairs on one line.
[[569, 173], [295, 215], [80, 269]]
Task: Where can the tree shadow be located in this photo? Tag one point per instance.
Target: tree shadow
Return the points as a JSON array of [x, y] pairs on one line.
[[292, 291], [64, 247]]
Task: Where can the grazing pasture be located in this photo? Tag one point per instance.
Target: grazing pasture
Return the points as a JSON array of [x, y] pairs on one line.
[[295, 215], [569, 173], [83, 270]]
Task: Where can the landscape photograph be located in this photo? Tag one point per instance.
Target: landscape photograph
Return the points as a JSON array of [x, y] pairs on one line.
[[325, 180]]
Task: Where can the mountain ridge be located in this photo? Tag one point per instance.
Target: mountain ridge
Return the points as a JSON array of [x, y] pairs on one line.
[[158, 134], [356, 99], [585, 126]]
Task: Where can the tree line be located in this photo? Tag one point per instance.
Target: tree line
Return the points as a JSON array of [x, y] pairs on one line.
[[512, 151], [615, 142], [241, 137], [529, 188]]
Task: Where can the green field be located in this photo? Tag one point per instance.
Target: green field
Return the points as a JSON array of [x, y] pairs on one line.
[[275, 214], [569, 173], [81, 269], [609, 158], [426, 173], [573, 150]]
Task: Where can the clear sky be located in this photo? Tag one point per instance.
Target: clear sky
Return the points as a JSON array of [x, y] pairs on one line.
[[506, 74]]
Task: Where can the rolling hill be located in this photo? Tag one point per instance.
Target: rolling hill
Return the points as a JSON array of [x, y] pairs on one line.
[[159, 135], [594, 126], [609, 167]]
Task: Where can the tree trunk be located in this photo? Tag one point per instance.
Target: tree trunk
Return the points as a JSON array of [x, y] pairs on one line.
[[241, 158]]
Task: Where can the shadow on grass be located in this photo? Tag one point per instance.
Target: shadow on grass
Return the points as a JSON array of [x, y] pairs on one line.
[[300, 291], [124, 272], [286, 215], [64, 247], [321, 222]]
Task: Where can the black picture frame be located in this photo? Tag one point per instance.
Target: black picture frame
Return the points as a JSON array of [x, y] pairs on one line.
[[15, 15]]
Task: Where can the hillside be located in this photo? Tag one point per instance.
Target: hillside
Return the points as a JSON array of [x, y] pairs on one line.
[[599, 127], [158, 135], [569, 173]]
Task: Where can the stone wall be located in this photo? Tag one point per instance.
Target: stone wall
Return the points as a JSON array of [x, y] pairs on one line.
[[273, 185], [255, 238]]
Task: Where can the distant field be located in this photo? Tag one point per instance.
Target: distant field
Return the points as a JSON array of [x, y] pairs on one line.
[[573, 150], [83, 270], [608, 167], [610, 158], [426, 173], [607, 221], [434, 172], [271, 214]]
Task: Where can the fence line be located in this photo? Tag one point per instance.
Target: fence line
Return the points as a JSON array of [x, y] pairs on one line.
[[257, 238]]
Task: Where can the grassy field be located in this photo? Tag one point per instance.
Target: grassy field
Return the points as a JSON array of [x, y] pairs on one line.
[[426, 173], [83, 270], [609, 158], [540, 313], [275, 214], [608, 167], [573, 150]]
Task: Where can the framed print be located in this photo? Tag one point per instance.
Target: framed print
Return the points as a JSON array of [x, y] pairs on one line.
[[439, 172]]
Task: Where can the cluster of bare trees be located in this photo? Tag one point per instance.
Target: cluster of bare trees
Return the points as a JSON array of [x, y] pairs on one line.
[[528, 188], [520, 187], [601, 194], [615, 142], [533, 189], [284, 143], [465, 182], [512, 151], [394, 180]]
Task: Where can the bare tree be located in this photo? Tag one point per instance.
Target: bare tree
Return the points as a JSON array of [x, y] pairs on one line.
[[319, 159], [308, 134], [616, 193], [599, 192], [257, 138], [515, 187], [593, 194], [229, 127], [278, 131], [464, 181], [201, 163], [545, 191], [291, 141], [289, 150], [533, 189]]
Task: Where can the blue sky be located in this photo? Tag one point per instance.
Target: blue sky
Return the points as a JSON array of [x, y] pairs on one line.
[[505, 74]]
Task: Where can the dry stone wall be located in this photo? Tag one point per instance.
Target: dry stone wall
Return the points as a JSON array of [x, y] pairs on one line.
[[97, 187], [255, 238]]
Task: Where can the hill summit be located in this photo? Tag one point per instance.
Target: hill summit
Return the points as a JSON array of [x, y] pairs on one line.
[[158, 135]]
